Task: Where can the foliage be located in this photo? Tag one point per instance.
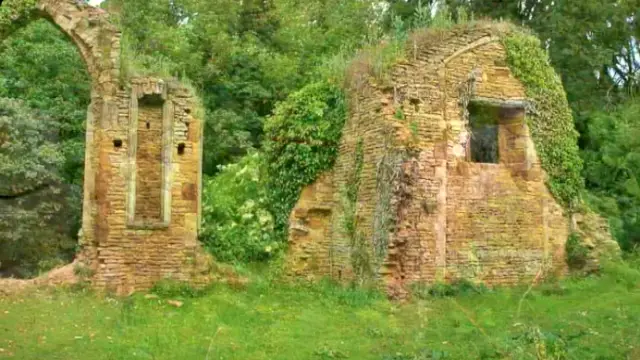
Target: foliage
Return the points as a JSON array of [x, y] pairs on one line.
[[244, 57], [612, 168], [455, 288], [550, 120], [41, 168], [426, 354], [36, 211], [378, 57], [595, 318], [13, 14], [577, 252], [39, 65], [360, 255], [237, 223], [28, 150], [301, 141]]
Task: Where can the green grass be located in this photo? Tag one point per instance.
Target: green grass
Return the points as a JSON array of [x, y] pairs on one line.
[[593, 318]]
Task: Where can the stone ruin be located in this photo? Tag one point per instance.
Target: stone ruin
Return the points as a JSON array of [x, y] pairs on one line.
[[142, 186], [449, 185]]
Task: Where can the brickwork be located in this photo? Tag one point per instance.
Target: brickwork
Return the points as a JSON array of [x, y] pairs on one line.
[[141, 209], [449, 218], [149, 164]]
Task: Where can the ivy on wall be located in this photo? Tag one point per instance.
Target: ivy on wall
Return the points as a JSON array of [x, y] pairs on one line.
[[550, 120], [301, 141]]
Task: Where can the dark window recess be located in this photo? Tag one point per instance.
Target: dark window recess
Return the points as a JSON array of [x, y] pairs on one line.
[[483, 121], [117, 143], [181, 147]]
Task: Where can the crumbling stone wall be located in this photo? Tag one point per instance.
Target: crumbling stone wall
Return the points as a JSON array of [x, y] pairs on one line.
[[147, 216], [445, 217], [142, 185]]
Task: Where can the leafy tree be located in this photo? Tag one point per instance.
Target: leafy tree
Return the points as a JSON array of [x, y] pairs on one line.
[[243, 56], [612, 168], [237, 223], [303, 137], [39, 65], [37, 210]]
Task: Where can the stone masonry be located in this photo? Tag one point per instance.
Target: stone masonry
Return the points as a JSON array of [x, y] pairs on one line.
[[142, 187], [427, 212]]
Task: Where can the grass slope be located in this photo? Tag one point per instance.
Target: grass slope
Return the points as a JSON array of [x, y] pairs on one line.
[[594, 318]]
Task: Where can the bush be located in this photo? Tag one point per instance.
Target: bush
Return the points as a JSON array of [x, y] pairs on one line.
[[37, 212], [612, 169], [458, 287], [237, 224], [301, 141], [577, 252]]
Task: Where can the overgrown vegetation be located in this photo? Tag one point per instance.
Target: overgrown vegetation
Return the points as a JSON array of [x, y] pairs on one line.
[[612, 169], [271, 73], [301, 141], [38, 212], [585, 319], [359, 250], [237, 224], [550, 119], [577, 252], [41, 147]]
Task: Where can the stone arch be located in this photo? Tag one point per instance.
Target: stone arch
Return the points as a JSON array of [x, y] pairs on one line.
[[90, 30]]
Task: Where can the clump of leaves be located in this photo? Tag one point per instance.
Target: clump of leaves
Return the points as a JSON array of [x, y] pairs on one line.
[[237, 224], [328, 353], [175, 289], [36, 209], [551, 122], [577, 252], [456, 288], [301, 141]]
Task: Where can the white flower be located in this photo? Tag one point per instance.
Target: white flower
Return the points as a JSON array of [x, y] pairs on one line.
[[247, 216]]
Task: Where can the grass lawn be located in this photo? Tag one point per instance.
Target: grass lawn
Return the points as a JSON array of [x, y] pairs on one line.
[[593, 318]]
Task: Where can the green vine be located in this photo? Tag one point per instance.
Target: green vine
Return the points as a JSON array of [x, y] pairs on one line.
[[360, 255], [301, 141], [550, 119]]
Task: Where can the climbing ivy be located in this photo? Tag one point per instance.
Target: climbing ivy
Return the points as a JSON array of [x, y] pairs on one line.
[[550, 119], [301, 141], [360, 255]]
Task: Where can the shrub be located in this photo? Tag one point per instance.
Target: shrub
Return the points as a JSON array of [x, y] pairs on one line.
[[456, 288], [237, 224], [577, 252], [36, 210], [301, 141], [612, 169]]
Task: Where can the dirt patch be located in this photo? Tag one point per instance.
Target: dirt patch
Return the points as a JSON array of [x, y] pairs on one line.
[[59, 276]]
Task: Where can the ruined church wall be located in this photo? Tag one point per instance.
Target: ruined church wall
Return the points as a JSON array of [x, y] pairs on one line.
[[449, 218], [495, 223], [503, 226], [142, 181], [156, 236]]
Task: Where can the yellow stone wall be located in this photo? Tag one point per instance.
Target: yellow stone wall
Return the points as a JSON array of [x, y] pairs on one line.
[[141, 208], [148, 232], [450, 218]]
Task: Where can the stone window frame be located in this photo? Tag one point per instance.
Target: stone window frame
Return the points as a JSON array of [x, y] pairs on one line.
[[523, 104], [167, 158]]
